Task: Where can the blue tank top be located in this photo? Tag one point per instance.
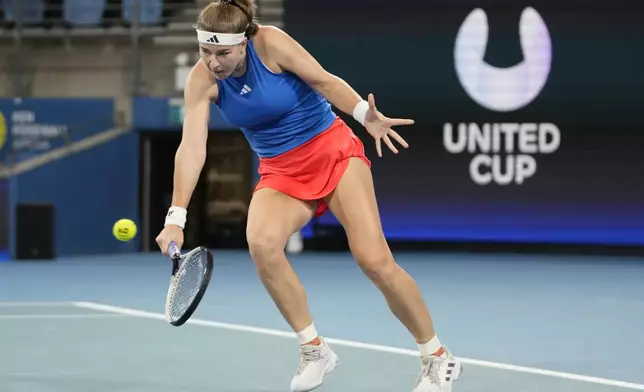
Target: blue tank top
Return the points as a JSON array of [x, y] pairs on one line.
[[276, 112]]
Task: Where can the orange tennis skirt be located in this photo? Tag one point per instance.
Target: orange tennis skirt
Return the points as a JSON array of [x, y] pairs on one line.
[[313, 170]]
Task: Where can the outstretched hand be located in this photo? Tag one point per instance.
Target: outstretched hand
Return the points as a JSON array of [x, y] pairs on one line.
[[379, 127]]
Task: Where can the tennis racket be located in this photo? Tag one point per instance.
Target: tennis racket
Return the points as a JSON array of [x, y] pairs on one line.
[[191, 274]]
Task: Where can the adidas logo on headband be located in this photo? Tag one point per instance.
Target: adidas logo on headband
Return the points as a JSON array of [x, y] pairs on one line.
[[207, 37]]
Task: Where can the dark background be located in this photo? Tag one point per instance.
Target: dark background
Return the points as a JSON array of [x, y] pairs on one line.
[[4, 212], [591, 190]]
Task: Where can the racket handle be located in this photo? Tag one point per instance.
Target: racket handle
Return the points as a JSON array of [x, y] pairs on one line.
[[173, 249]]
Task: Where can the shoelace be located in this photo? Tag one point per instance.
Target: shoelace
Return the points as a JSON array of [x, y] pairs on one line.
[[431, 370], [309, 355]]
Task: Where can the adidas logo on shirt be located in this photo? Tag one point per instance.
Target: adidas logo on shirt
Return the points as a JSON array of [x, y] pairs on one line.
[[245, 90]]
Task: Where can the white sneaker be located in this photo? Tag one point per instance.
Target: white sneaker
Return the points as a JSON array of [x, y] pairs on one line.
[[437, 374], [315, 363]]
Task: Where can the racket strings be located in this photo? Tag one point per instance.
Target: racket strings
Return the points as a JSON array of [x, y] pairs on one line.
[[185, 284]]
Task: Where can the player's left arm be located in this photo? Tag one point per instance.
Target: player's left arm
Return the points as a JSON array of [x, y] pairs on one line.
[[290, 56]]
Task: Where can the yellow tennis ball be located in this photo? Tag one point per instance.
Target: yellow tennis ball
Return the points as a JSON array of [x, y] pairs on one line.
[[124, 229]]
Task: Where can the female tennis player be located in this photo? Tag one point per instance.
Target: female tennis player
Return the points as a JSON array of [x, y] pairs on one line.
[[266, 84]]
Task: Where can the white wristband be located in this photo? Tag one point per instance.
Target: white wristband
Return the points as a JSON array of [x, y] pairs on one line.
[[176, 216], [360, 111]]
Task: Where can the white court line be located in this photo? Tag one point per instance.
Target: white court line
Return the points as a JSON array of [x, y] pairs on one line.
[[59, 316], [367, 346]]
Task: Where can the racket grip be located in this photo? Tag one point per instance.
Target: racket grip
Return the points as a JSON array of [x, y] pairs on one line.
[[173, 249]]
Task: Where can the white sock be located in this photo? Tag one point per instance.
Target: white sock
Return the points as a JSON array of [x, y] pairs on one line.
[[429, 348], [307, 334]]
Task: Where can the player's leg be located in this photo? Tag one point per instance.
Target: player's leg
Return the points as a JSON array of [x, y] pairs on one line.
[[272, 218], [354, 204]]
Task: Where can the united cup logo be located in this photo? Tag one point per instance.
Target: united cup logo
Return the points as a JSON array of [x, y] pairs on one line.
[[503, 89], [504, 150]]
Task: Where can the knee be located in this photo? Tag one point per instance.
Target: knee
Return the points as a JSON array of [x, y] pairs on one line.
[[376, 262], [265, 247]]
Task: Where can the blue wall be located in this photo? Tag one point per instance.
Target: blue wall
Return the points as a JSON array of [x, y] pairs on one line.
[[165, 114], [4, 221], [90, 190]]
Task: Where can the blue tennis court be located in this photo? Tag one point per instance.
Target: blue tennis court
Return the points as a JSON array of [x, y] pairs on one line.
[[520, 323]]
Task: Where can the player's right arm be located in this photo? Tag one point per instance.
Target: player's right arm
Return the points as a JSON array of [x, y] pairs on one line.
[[191, 154]]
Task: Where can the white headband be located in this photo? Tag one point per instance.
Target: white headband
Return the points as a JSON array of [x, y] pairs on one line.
[[207, 37]]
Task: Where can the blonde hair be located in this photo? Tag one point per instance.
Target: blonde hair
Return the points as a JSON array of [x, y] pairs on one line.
[[230, 17]]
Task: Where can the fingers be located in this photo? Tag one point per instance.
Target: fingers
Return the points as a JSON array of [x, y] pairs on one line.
[[390, 144], [398, 138], [399, 121], [167, 235], [372, 102], [163, 244]]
